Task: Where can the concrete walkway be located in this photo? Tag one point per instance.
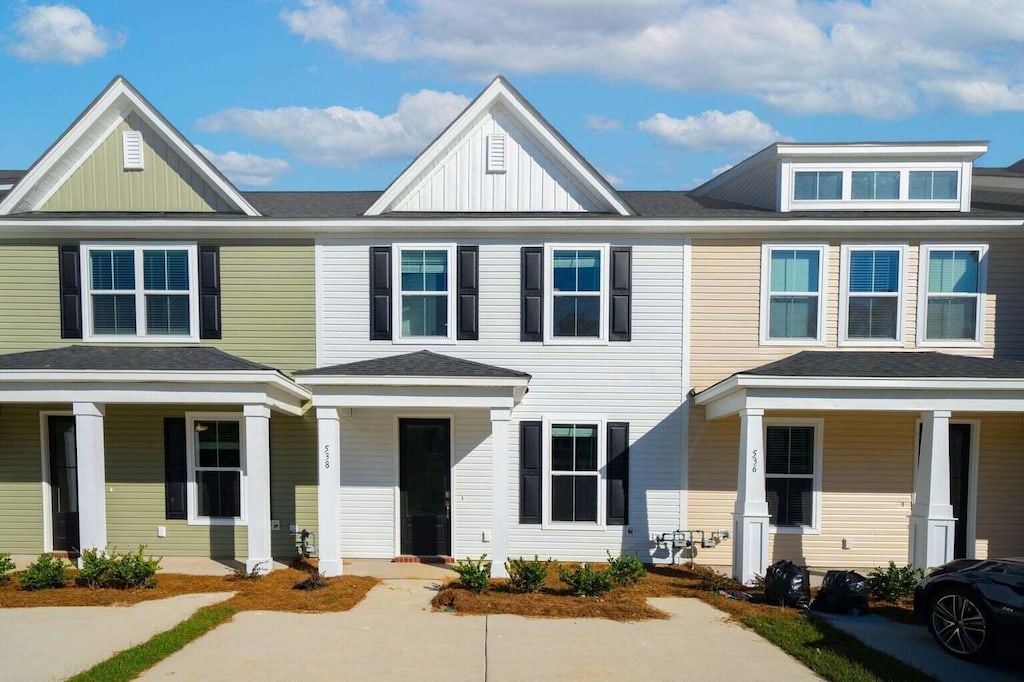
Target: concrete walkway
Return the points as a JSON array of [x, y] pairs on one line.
[[52, 643], [392, 634], [913, 645]]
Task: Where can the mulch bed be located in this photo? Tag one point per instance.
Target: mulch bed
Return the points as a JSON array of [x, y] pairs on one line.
[[272, 592]]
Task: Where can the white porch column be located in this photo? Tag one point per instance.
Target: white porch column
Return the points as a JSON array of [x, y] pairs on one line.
[[257, 458], [328, 492], [750, 517], [92, 480], [932, 526], [499, 482]]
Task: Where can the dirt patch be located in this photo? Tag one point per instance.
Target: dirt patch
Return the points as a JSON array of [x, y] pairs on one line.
[[273, 592]]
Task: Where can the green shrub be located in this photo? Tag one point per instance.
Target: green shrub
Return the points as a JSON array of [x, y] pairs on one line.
[[6, 566], [625, 570], [894, 584], [585, 581], [527, 575], [44, 573], [119, 571], [474, 575]]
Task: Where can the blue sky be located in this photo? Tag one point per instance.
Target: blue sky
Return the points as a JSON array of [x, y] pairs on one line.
[[336, 94]]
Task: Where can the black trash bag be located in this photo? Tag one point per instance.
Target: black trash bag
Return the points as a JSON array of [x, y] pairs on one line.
[[842, 592], [787, 584]]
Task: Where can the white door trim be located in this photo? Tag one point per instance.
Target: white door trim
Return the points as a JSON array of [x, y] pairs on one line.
[[44, 456]]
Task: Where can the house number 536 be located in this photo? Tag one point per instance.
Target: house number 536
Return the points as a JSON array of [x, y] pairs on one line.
[[327, 457], [754, 467]]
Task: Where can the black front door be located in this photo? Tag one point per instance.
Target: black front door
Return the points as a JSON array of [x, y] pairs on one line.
[[424, 447], [959, 483], [63, 483]]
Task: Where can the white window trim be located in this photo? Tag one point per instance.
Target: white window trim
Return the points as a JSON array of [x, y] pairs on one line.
[[396, 305], [924, 260], [904, 202], [139, 292], [546, 487], [549, 297], [193, 489], [823, 268], [844, 295], [819, 447]]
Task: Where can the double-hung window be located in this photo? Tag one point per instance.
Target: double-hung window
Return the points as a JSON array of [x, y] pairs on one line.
[[872, 306], [793, 475], [792, 293], [952, 294], [140, 292], [425, 310], [578, 293], [217, 459], [575, 470]]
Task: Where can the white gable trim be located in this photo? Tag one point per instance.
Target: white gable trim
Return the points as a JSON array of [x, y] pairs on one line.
[[95, 124], [501, 91]]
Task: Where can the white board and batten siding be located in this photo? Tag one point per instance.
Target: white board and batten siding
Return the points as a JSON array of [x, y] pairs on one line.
[[638, 381], [532, 179]]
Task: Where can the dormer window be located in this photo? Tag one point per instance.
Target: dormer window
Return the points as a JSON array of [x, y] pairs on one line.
[[818, 186], [858, 186], [933, 185], [875, 185]]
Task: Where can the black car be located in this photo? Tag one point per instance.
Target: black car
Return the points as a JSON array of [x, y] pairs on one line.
[[970, 605]]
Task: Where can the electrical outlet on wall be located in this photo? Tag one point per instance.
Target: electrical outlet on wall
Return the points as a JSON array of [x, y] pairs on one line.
[[275, 524]]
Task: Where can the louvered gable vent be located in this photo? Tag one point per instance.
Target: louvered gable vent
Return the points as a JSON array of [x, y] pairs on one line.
[[496, 153], [131, 142]]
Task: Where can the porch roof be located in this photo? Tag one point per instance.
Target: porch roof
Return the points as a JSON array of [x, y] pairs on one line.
[[871, 381], [139, 374]]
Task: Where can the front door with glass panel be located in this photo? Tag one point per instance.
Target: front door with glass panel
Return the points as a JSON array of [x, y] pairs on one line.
[[63, 482], [424, 447]]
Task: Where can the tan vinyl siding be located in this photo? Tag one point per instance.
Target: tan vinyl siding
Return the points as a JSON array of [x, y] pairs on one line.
[[135, 486], [167, 183], [21, 496], [726, 305], [29, 298], [1000, 528]]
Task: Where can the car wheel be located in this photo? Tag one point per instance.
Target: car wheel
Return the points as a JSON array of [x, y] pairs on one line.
[[959, 623]]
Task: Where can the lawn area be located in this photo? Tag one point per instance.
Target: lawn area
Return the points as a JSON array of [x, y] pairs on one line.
[[829, 652]]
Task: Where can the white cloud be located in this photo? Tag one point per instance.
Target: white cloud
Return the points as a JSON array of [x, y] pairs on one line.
[[60, 33], [873, 59], [247, 169], [602, 123], [339, 136], [713, 131]]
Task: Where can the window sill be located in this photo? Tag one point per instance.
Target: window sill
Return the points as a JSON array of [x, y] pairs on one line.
[[793, 530], [871, 343], [130, 338], [424, 340], [957, 343], [574, 526], [792, 342], [575, 341], [217, 521]]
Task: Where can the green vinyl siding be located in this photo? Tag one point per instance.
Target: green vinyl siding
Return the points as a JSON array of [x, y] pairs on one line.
[[167, 183], [29, 298], [21, 491], [135, 485]]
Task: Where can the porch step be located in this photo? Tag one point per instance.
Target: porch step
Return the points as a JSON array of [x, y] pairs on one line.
[[415, 559]]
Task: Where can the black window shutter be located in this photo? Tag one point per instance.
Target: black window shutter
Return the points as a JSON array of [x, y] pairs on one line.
[[618, 473], [175, 469], [621, 312], [209, 292], [469, 293], [530, 483], [70, 292], [532, 285], [380, 293]]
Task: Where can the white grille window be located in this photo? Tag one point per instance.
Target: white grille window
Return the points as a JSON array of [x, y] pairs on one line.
[[495, 153], [131, 143]]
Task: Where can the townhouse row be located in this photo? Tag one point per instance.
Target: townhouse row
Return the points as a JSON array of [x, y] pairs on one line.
[[813, 356]]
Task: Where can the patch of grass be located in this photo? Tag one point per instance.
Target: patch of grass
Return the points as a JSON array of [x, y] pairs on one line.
[[130, 663]]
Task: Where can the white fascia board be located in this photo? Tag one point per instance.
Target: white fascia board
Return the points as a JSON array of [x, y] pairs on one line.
[[961, 150], [498, 90], [471, 382], [118, 98], [313, 228], [414, 397]]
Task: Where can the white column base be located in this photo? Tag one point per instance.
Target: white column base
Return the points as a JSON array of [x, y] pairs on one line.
[[257, 457], [931, 541], [330, 569], [750, 546]]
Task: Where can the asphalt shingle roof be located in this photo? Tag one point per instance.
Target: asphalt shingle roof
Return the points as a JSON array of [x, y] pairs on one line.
[[138, 358], [889, 364], [418, 364]]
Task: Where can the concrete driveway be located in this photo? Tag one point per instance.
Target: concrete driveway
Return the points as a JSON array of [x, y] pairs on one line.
[[393, 635], [52, 643]]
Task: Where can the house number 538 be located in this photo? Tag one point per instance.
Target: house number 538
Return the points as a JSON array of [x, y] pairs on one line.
[[754, 467], [327, 457]]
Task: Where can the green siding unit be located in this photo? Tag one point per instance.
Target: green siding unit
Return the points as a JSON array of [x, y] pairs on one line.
[[21, 491], [29, 298], [167, 182]]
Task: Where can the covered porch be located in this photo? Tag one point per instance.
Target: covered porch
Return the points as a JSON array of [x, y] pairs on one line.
[[413, 458], [857, 458], [167, 447]]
